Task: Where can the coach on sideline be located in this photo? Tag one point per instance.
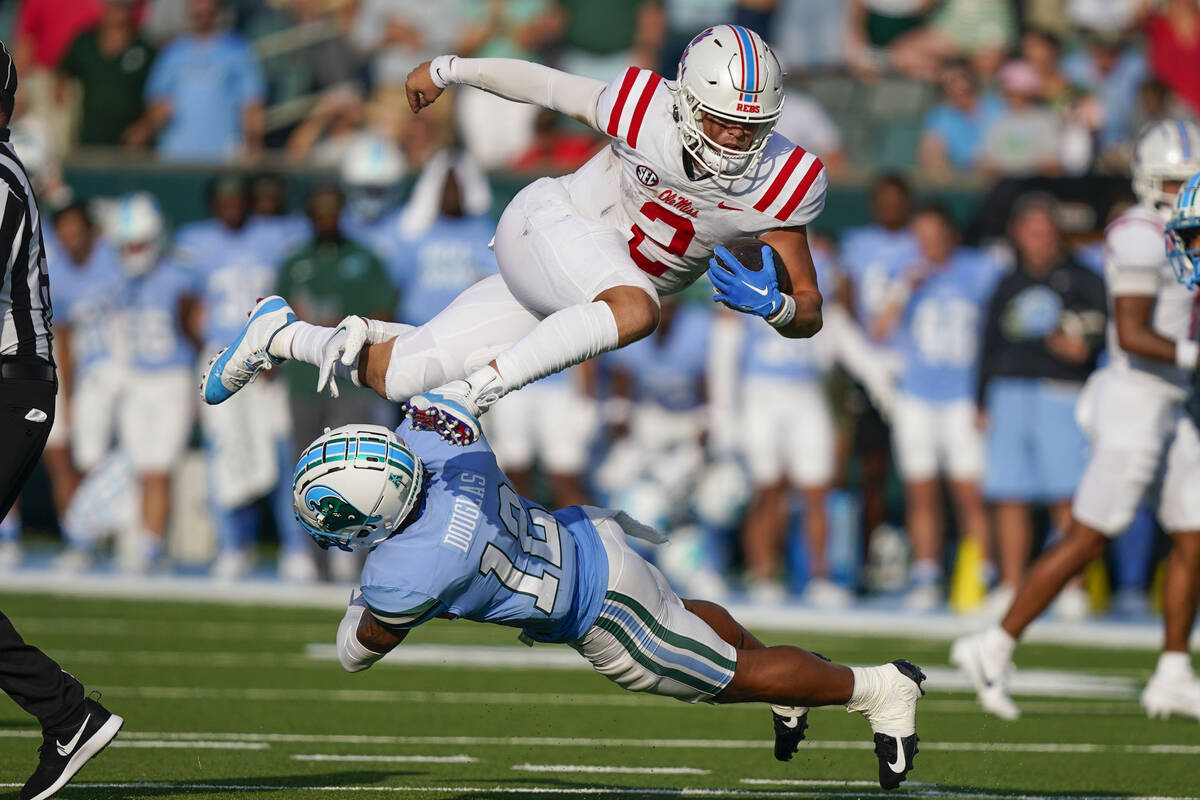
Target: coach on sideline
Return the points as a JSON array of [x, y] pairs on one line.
[[74, 728]]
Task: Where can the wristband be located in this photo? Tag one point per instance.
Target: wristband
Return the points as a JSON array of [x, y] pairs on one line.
[[441, 71], [785, 314], [1187, 352]]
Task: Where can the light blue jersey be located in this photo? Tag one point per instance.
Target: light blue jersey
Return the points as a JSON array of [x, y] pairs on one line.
[[481, 552], [88, 297], [152, 305], [939, 336], [872, 257], [766, 354], [432, 270], [293, 232], [382, 236], [668, 369], [231, 270]]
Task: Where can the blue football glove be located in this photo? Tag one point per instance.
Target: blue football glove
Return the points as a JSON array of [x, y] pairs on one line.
[[744, 289]]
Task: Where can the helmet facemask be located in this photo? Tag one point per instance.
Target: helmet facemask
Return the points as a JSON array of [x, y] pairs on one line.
[[722, 161], [1184, 261]]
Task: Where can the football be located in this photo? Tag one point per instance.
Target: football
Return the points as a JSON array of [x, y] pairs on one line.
[[748, 250]]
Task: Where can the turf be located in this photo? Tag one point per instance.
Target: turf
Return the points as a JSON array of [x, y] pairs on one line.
[[220, 700]]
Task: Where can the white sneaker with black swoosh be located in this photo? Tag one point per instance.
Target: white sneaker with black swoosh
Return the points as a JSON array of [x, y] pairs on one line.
[[887, 696], [64, 753], [988, 673]]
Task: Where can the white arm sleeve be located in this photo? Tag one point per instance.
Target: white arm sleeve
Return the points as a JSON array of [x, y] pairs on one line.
[[353, 656], [524, 82]]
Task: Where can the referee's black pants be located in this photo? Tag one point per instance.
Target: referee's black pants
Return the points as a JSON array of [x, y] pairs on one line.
[[27, 675]]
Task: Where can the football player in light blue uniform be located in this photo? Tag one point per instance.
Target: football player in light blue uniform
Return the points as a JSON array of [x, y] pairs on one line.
[[234, 260], [371, 173], [450, 538], [89, 288], [937, 310], [269, 210], [158, 408], [788, 443]]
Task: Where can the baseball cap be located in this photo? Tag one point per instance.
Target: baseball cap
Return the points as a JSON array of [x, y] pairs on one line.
[[8, 71]]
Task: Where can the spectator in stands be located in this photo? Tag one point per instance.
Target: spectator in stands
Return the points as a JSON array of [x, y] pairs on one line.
[[809, 125], [110, 62], [1173, 45], [556, 149], [268, 210], [686, 18], [873, 25], [601, 39], [494, 130], [936, 309], [982, 30], [1108, 17], [1042, 51], [809, 35], [1156, 102], [205, 93], [956, 128], [1112, 72], [330, 278], [1024, 139], [336, 121], [396, 35], [1043, 331], [43, 31], [872, 257]]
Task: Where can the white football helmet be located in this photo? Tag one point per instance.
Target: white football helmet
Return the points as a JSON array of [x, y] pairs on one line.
[[1183, 226], [355, 485], [371, 172], [729, 72], [1168, 150], [136, 227]]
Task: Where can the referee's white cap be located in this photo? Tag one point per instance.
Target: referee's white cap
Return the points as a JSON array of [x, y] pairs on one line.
[[8, 71]]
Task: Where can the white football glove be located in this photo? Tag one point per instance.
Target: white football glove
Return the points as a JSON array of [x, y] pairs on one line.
[[342, 347]]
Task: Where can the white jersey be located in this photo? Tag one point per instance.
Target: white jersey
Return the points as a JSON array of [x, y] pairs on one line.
[[639, 184], [1135, 263]]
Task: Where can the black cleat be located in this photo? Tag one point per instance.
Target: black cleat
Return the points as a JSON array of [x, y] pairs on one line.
[[64, 754], [896, 756], [789, 732]]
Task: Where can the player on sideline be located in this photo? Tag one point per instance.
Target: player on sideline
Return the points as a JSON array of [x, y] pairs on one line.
[[449, 537], [584, 258], [1142, 435]]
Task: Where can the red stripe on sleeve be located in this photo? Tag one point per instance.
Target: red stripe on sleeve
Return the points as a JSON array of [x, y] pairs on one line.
[[814, 170], [780, 180], [614, 119], [639, 113]]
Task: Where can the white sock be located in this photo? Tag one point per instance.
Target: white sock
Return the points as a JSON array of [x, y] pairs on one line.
[[868, 683], [998, 642], [789, 711], [1174, 666], [301, 341], [562, 339]]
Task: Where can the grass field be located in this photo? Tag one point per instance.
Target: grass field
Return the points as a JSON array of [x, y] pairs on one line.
[[235, 701]]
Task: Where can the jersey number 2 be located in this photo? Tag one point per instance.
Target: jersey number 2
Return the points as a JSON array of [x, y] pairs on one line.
[[684, 233], [548, 547]]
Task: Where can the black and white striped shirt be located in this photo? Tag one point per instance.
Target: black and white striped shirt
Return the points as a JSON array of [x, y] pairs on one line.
[[24, 279]]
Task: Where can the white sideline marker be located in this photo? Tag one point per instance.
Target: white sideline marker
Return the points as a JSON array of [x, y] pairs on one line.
[[186, 744], [610, 770], [459, 759]]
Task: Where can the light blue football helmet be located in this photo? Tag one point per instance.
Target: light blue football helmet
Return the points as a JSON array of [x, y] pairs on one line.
[[1182, 227]]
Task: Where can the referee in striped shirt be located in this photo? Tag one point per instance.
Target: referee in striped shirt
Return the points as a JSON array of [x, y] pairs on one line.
[[74, 727]]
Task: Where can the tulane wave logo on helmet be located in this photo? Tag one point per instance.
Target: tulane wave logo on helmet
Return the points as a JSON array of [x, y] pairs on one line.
[[334, 512]]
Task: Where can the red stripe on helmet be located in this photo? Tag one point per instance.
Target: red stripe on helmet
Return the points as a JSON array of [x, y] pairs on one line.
[[780, 180], [639, 112], [614, 119]]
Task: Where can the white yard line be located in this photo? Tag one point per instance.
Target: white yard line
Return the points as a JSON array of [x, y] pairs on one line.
[[459, 759], [609, 770], [179, 744], [1144, 635], [591, 742], [686, 791]]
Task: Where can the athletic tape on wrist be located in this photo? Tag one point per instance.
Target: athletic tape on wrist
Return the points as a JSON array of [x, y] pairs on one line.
[[1187, 352], [785, 314], [441, 71]]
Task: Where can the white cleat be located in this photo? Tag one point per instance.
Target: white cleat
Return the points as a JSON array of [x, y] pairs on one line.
[[988, 674], [452, 411], [72, 561], [231, 564], [923, 598], [1072, 605], [1164, 697], [239, 363], [297, 567], [10, 555], [890, 706], [824, 594]]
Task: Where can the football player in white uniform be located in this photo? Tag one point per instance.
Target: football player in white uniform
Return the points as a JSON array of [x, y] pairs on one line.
[[584, 258], [1142, 436]]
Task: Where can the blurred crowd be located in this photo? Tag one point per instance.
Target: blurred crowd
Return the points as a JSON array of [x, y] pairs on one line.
[[921, 447], [984, 87]]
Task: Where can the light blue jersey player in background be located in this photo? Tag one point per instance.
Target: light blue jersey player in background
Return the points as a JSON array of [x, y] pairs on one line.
[[233, 260], [371, 173], [449, 537], [937, 309]]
